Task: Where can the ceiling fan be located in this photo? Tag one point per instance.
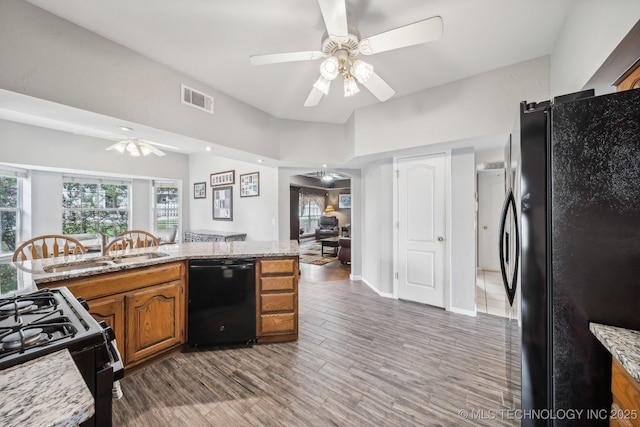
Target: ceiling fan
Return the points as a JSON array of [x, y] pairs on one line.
[[342, 44], [137, 147]]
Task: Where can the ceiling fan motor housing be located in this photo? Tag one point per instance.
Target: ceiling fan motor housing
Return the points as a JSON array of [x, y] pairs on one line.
[[330, 47]]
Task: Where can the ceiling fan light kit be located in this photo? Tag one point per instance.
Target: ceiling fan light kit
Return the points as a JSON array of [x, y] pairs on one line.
[[135, 148], [342, 44], [350, 86]]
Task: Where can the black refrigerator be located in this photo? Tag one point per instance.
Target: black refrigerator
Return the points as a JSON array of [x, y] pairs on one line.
[[580, 248]]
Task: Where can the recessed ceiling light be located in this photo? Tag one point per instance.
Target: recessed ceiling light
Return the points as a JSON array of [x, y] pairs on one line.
[[324, 166], [259, 160], [125, 129], [208, 148]]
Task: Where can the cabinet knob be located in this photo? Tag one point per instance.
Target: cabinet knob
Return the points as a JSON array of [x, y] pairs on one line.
[[440, 239]]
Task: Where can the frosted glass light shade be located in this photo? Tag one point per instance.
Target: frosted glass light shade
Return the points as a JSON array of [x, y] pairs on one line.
[[350, 86], [132, 148], [145, 149], [329, 68], [322, 85], [361, 70]]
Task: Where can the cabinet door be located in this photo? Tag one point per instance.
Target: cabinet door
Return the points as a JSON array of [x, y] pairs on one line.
[[111, 310], [155, 320]]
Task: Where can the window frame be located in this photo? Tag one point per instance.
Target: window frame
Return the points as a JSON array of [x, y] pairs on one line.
[[83, 180], [155, 184], [19, 176]]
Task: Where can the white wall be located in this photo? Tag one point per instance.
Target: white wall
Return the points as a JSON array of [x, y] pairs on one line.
[[486, 104], [257, 216], [462, 271], [591, 32], [50, 153], [377, 226]]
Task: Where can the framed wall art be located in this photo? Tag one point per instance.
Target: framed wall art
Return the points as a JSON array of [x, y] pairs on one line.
[[344, 201], [223, 178], [223, 203], [200, 190], [250, 184]]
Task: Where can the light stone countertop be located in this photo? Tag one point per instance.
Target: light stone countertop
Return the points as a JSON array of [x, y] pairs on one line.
[[623, 344], [34, 273], [47, 391]]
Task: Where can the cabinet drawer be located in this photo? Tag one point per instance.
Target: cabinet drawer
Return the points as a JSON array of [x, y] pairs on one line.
[[278, 323], [277, 266], [277, 283], [270, 303]]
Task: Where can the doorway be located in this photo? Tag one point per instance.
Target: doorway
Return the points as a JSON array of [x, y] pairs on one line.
[[421, 225], [490, 198]]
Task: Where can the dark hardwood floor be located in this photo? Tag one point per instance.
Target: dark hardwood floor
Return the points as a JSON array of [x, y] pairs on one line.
[[360, 360]]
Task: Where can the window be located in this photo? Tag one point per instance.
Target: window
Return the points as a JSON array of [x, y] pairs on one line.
[[90, 206], [309, 215], [167, 205], [10, 207]]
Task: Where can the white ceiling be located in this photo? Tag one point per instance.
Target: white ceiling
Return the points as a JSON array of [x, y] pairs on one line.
[[211, 41]]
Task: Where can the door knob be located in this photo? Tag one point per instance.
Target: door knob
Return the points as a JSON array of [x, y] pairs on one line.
[[440, 239], [485, 227]]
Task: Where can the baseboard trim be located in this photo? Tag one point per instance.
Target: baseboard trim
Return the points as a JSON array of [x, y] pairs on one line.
[[382, 294], [472, 313]]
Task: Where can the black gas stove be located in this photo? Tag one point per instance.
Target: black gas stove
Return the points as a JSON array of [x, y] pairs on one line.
[[37, 323]]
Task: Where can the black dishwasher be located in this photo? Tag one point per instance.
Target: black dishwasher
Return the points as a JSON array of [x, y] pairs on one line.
[[222, 302]]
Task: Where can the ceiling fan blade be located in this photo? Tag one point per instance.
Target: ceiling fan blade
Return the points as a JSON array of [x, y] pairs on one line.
[[409, 35], [276, 58], [314, 98], [334, 13], [152, 149], [379, 87]]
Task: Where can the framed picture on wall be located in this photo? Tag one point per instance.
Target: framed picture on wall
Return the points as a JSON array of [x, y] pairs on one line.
[[200, 190], [344, 201], [223, 203], [250, 184], [223, 178]]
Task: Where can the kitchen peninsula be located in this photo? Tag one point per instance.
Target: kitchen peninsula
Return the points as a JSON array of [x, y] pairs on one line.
[[143, 293]]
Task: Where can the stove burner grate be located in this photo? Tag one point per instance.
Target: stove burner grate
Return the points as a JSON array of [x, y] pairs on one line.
[[23, 338], [17, 307]]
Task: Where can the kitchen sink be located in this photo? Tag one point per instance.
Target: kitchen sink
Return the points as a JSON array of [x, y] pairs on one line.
[[137, 258], [76, 266], [81, 265]]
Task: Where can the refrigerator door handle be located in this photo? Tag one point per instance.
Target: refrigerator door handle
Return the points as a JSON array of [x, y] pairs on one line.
[[510, 286]]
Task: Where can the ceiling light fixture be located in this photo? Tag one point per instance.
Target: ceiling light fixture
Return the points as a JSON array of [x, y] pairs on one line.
[[135, 148], [342, 64]]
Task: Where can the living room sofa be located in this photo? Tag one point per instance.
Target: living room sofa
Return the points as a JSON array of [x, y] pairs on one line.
[[327, 227]]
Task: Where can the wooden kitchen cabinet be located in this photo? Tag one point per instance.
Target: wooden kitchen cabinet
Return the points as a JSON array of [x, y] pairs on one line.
[[625, 410], [154, 320], [110, 310], [144, 306], [277, 299]]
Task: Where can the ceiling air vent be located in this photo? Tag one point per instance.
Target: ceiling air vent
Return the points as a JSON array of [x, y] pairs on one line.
[[197, 99]]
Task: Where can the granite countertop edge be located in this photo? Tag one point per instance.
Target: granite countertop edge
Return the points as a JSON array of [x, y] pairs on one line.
[[622, 343], [62, 398], [34, 271]]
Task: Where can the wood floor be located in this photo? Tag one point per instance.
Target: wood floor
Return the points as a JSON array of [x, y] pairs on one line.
[[360, 360]]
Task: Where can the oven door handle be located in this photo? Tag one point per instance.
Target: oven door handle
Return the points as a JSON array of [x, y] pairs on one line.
[[112, 348]]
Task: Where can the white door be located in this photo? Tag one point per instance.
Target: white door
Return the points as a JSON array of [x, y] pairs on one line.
[[490, 200], [421, 227]]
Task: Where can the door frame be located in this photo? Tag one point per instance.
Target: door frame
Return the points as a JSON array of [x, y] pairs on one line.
[[447, 226]]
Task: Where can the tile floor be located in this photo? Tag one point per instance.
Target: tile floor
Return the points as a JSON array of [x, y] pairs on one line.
[[490, 295]]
